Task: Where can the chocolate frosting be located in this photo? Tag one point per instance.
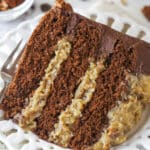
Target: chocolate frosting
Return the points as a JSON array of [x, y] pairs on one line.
[[142, 50]]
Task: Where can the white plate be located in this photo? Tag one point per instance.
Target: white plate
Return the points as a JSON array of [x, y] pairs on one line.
[[134, 9], [15, 138]]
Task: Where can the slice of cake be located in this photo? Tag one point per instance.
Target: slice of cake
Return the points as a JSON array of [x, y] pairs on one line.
[[79, 83]]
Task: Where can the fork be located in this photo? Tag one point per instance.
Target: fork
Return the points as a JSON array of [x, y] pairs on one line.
[[9, 67]]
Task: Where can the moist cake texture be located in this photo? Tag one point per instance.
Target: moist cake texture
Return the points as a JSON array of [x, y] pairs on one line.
[[79, 84]]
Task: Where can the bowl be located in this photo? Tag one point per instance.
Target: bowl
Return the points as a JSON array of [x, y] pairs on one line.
[[15, 12]]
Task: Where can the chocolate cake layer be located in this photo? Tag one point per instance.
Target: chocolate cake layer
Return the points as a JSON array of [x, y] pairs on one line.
[[75, 79]]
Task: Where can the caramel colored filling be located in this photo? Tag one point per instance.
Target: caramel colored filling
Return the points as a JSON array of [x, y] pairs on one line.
[[38, 101], [140, 86]]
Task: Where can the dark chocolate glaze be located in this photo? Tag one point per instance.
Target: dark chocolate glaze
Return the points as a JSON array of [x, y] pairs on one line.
[[142, 50]]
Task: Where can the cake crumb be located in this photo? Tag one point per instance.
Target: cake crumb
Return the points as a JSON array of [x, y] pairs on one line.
[[146, 12], [45, 7]]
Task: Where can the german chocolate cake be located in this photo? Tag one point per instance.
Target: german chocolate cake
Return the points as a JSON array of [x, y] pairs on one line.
[[79, 84]]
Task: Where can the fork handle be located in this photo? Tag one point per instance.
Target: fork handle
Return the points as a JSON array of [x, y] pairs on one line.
[[2, 91]]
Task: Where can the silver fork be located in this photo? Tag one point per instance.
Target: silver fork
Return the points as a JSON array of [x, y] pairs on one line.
[[9, 67]]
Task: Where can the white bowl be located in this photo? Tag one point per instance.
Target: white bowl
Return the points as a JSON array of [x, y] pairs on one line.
[[14, 13]]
